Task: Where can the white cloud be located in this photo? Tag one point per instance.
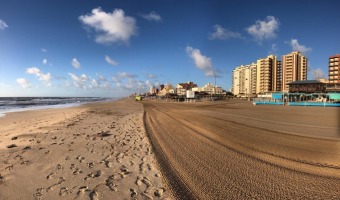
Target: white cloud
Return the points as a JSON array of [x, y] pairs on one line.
[[3, 25], [223, 34], [44, 61], [152, 16], [100, 77], [110, 60], [43, 50], [75, 63], [201, 61], [24, 83], [80, 81], [45, 78], [85, 82], [111, 27], [123, 75], [298, 47], [264, 30], [128, 82]]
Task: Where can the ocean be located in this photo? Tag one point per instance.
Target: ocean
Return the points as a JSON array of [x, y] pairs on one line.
[[17, 104]]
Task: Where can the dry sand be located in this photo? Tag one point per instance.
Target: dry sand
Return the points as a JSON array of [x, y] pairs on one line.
[[207, 150], [95, 151], [234, 150]]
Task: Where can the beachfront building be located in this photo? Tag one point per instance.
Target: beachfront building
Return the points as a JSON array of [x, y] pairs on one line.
[[244, 80], [294, 68], [334, 69], [152, 90], [210, 89], [307, 86], [165, 90], [268, 75], [181, 88]]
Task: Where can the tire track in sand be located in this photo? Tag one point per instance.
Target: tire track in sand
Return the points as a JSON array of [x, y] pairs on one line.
[[209, 166]]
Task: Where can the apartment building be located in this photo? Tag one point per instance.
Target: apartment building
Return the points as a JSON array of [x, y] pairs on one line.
[[294, 68], [268, 75], [244, 80], [334, 69]]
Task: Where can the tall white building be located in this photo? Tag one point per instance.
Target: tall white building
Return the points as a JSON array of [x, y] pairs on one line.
[[244, 80]]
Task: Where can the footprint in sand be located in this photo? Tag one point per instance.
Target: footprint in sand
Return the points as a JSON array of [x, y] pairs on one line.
[[39, 192], [139, 181], [159, 192], [124, 171], [11, 146], [80, 158], [77, 171], [95, 174], [27, 148], [90, 165], [94, 195], [82, 190], [110, 183], [133, 194], [2, 179], [60, 181], [64, 191], [50, 175]]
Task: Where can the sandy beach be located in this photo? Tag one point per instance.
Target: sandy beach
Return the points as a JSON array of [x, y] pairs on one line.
[[234, 150], [94, 151], [171, 150]]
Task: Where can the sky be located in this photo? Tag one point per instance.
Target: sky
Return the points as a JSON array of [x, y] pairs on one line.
[[114, 48]]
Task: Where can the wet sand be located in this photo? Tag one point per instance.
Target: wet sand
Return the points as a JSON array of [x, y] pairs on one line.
[[234, 150], [95, 151]]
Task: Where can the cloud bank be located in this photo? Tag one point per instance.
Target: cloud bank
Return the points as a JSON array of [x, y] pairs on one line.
[[201, 61], [110, 27], [264, 29]]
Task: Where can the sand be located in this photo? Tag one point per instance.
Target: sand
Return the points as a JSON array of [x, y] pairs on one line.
[[95, 151], [171, 150], [234, 150]]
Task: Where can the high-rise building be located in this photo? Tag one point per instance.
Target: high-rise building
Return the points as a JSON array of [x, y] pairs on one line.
[[152, 90], [334, 69], [244, 80], [268, 73], [294, 68]]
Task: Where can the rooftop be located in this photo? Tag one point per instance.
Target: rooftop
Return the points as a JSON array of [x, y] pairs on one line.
[[304, 82]]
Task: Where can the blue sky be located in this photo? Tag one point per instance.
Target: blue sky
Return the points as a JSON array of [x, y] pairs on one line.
[[115, 48]]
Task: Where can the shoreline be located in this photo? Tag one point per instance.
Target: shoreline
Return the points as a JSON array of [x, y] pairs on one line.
[[3, 112], [98, 150]]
